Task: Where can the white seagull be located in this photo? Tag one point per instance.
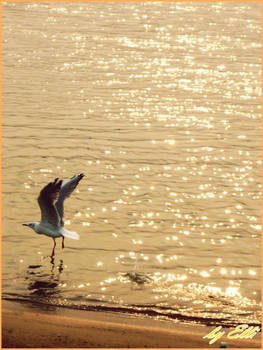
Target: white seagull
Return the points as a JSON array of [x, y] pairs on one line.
[[51, 203]]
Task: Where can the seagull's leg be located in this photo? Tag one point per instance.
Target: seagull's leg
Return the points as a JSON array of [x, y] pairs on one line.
[[53, 251], [63, 242]]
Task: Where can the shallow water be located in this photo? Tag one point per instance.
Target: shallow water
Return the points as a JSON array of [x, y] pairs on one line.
[[159, 105]]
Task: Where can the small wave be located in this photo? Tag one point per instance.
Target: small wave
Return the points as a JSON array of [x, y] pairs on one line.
[[151, 310]]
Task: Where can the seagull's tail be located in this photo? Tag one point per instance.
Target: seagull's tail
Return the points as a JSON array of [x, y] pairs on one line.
[[70, 234]]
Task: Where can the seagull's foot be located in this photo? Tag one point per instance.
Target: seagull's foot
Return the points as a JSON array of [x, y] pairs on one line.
[[63, 243]]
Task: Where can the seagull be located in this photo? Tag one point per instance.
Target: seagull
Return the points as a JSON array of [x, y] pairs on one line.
[[51, 203]]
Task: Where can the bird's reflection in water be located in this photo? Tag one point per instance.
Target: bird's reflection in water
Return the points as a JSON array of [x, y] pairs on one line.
[[59, 267], [44, 283]]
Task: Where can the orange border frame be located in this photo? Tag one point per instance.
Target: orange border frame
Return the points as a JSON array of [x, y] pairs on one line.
[[78, 1]]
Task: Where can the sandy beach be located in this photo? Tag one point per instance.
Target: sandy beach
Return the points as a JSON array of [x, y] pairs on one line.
[[27, 327]]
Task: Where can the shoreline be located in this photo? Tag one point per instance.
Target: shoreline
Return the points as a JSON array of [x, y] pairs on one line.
[[25, 326]]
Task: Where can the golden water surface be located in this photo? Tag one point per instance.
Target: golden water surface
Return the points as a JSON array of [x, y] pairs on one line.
[[158, 103]]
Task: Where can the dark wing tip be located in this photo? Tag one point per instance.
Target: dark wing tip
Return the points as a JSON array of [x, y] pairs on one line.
[[51, 190], [55, 185], [80, 176]]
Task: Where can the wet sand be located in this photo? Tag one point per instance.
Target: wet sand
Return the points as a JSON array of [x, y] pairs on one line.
[[26, 327]]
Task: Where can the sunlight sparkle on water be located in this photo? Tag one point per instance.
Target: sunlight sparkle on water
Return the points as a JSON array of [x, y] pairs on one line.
[[170, 143]]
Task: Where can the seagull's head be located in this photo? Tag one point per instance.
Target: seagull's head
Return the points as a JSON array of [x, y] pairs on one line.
[[32, 225]]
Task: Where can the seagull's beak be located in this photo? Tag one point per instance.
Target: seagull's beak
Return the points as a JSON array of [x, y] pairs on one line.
[[25, 224]]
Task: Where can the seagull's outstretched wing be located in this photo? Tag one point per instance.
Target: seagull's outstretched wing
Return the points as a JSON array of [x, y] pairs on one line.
[[48, 195], [65, 191]]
